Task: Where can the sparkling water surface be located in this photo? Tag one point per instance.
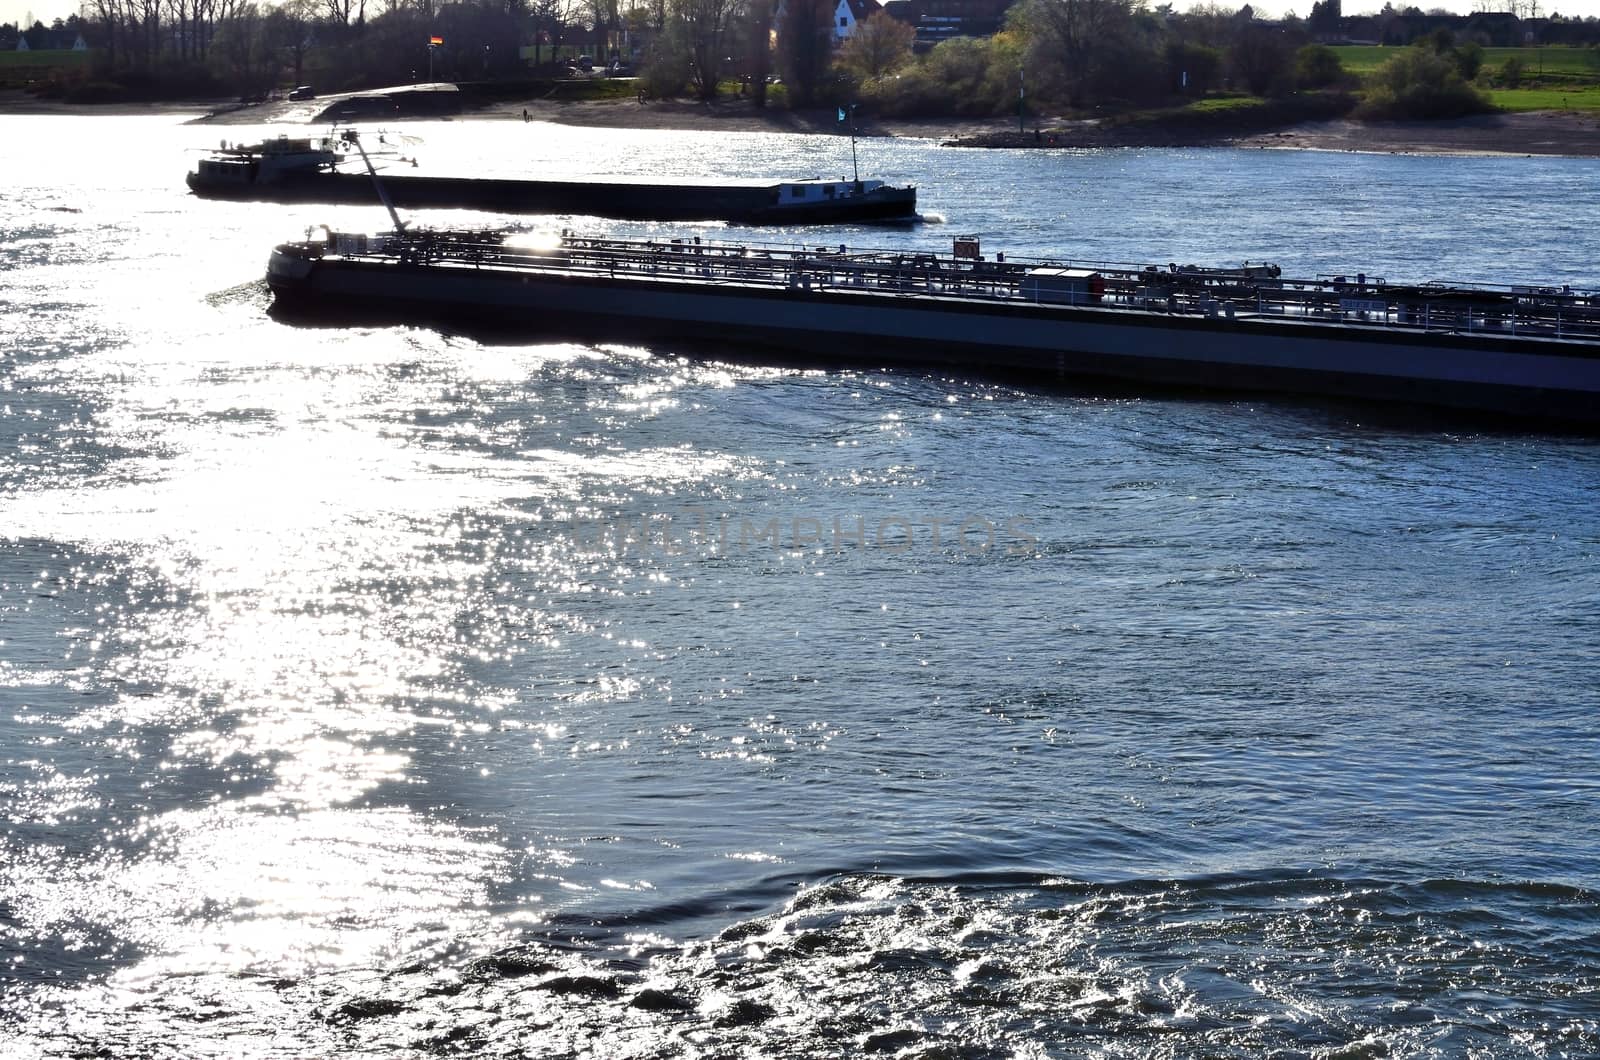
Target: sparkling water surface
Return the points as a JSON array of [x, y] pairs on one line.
[[378, 691]]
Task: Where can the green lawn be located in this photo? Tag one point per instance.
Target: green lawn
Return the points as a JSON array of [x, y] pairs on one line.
[[1578, 97], [1224, 103], [1364, 59], [1570, 78], [1209, 108], [45, 60], [1584, 61]]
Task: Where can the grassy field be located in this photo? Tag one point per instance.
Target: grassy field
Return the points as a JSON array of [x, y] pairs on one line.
[[1575, 97], [15, 61], [1552, 78], [1364, 59], [1235, 115], [27, 68], [1581, 61], [1213, 104]]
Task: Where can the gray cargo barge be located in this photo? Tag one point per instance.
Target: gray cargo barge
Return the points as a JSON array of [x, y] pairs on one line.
[[306, 170], [1519, 350]]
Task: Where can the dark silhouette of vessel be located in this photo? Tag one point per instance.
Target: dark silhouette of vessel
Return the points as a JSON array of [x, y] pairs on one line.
[[307, 170]]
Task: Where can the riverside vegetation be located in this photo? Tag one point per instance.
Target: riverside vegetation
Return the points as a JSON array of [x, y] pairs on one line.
[[1207, 71]]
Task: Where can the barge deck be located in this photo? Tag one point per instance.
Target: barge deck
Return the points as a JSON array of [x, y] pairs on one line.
[[1532, 351]]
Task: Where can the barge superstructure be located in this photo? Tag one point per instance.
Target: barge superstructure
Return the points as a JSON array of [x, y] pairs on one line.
[[1530, 351]]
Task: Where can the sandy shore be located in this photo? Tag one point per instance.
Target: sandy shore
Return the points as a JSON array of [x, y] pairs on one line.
[[1539, 133], [1536, 133], [734, 115]]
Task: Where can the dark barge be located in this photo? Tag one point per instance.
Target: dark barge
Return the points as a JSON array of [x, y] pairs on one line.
[[1526, 351], [305, 170]]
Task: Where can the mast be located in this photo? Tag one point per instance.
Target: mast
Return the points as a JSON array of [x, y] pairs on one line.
[[855, 167], [352, 137]]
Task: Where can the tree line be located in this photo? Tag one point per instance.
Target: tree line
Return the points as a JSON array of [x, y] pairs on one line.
[[1079, 56], [1076, 53]]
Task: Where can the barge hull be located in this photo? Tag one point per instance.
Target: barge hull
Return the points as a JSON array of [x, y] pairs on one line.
[[757, 205], [1522, 377]]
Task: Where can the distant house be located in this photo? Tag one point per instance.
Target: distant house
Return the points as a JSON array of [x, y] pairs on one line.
[[847, 15], [54, 40], [1497, 29], [851, 13], [902, 10], [942, 20]]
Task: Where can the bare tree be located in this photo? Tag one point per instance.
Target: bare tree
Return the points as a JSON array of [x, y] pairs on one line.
[[201, 12], [346, 12], [148, 13], [655, 14], [425, 8], [288, 32], [179, 13], [549, 17], [606, 19], [1071, 37], [759, 15], [239, 43], [706, 23], [805, 48], [210, 15], [109, 14]]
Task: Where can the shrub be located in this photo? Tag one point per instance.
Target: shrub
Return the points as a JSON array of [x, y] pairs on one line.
[[1317, 66], [665, 70], [966, 75], [97, 92], [139, 86], [1419, 84], [1469, 59]]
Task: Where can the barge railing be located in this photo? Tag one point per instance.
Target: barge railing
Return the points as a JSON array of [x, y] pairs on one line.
[[1250, 292]]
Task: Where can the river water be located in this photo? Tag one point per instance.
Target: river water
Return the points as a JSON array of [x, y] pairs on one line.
[[375, 691]]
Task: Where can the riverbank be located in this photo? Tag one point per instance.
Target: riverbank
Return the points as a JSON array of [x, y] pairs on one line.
[[1530, 133], [20, 101], [733, 115]]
